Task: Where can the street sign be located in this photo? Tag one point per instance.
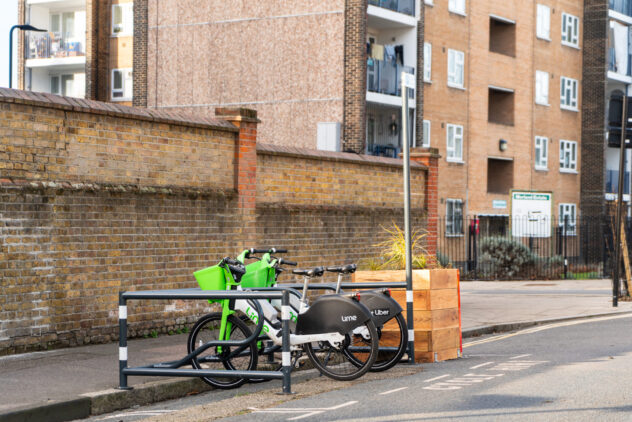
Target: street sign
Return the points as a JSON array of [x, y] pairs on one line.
[[531, 213]]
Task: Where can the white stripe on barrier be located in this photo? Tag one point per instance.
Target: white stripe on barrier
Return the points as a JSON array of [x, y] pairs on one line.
[[123, 312], [122, 353], [409, 296], [411, 335], [286, 359], [285, 313]]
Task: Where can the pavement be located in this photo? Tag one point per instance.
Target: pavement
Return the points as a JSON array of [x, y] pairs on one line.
[[73, 383]]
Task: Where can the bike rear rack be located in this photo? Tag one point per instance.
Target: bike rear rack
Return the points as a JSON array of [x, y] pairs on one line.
[[171, 369]]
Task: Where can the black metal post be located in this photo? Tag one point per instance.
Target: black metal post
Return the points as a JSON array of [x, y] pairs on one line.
[[617, 245], [24, 28], [286, 356], [565, 240], [123, 343]]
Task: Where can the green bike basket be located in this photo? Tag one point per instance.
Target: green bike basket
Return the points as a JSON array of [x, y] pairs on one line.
[[258, 274], [211, 278]]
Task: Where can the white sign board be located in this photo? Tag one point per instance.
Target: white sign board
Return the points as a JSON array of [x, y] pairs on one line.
[[531, 214]]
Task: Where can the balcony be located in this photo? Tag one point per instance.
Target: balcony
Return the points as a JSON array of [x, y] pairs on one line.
[[47, 46], [612, 182], [621, 6], [384, 77], [406, 7]]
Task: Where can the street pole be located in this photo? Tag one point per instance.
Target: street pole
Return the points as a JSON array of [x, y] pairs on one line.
[[23, 28], [617, 246], [408, 81]]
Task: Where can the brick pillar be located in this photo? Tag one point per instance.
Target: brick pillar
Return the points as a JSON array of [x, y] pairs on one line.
[[92, 24], [593, 145], [245, 168], [141, 12], [19, 54], [430, 157], [419, 114], [354, 114]]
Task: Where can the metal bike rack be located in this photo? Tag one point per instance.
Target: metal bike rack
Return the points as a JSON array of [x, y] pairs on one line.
[[171, 369]]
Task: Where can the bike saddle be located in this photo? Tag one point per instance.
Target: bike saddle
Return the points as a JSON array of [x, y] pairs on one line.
[[314, 272], [344, 269]]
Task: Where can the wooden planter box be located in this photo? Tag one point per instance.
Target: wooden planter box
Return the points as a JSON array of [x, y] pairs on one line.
[[437, 324]]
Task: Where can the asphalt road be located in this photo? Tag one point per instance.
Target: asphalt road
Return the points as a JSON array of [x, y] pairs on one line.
[[575, 371]]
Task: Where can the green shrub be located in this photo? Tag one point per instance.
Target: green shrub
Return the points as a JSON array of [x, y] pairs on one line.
[[505, 258]]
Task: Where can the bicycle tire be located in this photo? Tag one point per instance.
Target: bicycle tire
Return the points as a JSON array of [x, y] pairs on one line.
[[344, 368], [209, 325], [387, 359]]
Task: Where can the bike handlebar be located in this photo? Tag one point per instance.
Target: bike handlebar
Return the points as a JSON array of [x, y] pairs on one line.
[[282, 261]]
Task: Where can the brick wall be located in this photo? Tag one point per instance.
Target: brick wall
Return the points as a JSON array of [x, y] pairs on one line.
[[140, 53], [593, 107], [96, 198]]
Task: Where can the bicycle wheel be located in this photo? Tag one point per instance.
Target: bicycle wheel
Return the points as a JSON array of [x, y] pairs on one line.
[[333, 360], [393, 341], [207, 329]]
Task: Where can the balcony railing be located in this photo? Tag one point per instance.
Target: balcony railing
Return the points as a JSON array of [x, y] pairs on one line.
[[612, 182], [402, 6], [384, 77], [621, 6], [47, 45]]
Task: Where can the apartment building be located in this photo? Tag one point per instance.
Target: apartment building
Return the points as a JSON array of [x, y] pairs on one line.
[[86, 52], [607, 73], [321, 74], [502, 103]]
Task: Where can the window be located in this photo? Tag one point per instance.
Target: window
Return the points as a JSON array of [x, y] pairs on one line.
[[568, 93], [502, 36], [500, 106], [454, 143], [457, 6], [499, 175], [454, 217], [426, 134], [123, 19], [543, 26], [568, 213], [62, 85], [541, 87], [427, 62], [568, 156], [55, 88], [570, 30], [456, 60], [541, 152], [122, 83]]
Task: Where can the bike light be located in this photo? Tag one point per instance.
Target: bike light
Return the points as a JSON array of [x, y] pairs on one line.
[[357, 296], [387, 292]]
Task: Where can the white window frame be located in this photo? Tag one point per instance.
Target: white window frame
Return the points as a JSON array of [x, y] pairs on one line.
[[541, 153], [450, 220], [572, 85], [124, 77], [570, 30], [427, 62], [457, 6], [543, 22], [456, 62], [451, 144], [570, 210], [60, 82], [425, 141], [542, 87], [126, 28], [569, 147]]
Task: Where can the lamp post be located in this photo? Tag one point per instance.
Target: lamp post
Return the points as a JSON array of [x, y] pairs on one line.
[[23, 28]]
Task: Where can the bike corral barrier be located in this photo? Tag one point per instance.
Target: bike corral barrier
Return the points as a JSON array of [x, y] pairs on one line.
[[171, 369]]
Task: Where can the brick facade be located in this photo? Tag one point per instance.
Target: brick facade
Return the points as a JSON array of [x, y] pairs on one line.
[[354, 119], [141, 11], [594, 106], [98, 197], [20, 50]]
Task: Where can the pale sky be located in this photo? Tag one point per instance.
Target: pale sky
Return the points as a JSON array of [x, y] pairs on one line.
[[8, 18]]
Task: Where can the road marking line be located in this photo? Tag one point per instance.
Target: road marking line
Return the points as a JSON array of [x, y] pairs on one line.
[[437, 378], [309, 411], [520, 356], [307, 415], [481, 365], [393, 391]]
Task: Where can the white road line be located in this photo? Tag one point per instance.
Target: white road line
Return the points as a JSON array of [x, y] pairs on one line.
[[520, 356], [309, 411], [307, 415], [481, 365], [437, 378], [393, 391]]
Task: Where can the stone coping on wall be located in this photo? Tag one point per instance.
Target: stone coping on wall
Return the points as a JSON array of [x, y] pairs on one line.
[[271, 149], [39, 99]]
